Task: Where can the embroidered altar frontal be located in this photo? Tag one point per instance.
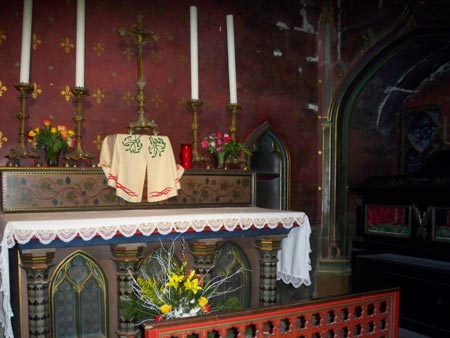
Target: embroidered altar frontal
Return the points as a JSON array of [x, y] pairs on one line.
[[59, 189]]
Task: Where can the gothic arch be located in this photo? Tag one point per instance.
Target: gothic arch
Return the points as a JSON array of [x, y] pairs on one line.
[[79, 298], [228, 259], [271, 162], [404, 42]]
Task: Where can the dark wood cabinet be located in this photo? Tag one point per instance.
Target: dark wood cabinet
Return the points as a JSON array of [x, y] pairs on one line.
[[403, 240]]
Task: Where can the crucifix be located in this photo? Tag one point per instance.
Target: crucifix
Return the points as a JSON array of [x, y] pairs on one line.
[[141, 36]]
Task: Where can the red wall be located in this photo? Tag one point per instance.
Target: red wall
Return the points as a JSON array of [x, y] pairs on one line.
[[271, 88]]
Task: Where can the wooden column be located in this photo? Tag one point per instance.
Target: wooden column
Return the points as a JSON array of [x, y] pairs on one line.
[[126, 257], [36, 264]]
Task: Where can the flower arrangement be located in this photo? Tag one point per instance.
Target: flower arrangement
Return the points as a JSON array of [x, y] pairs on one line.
[[222, 146], [52, 139], [175, 292]]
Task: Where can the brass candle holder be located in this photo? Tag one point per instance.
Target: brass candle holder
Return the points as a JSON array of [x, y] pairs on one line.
[[195, 105], [78, 153], [243, 161], [22, 151], [233, 108]]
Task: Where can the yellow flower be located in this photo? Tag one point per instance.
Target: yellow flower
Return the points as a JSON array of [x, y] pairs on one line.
[[165, 308], [192, 284], [53, 130], [202, 301], [175, 280]]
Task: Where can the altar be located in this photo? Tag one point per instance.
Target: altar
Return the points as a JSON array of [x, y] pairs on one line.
[[43, 237]]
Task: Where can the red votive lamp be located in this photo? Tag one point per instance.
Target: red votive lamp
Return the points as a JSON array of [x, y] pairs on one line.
[[186, 156]]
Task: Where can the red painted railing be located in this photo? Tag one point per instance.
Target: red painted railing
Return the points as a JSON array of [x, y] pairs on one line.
[[374, 315]]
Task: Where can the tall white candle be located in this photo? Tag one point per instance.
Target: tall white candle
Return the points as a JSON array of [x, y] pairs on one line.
[[194, 53], [26, 41], [231, 59], [79, 65]]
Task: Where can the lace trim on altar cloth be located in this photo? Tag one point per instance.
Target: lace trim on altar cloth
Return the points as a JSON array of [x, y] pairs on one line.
[[295, 281]]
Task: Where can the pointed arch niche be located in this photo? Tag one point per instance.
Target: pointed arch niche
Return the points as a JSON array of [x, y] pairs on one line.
[[79, 298], [271, 163], [359, 129]]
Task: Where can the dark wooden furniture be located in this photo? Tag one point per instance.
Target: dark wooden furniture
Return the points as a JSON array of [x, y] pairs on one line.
[[403, 240]]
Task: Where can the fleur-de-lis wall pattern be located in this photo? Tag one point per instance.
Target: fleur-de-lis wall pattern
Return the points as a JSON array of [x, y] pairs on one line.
[[99, 48], [98, 95], [3, 139], [2, 36], [67, 45], [66, 93], [3, 88], [36, 41]]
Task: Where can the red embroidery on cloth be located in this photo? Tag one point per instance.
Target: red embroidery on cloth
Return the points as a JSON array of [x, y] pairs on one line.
[[126, 190], [165, 191]]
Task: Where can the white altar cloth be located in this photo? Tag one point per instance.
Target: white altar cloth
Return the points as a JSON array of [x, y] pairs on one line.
[[65, 226]]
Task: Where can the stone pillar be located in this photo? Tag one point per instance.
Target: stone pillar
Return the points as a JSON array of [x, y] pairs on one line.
[[126, 257], [203, 252], [36, 264], [333, 271], [268, 249]]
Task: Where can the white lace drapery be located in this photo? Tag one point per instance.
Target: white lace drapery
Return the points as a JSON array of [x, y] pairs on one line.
[[65, 226]]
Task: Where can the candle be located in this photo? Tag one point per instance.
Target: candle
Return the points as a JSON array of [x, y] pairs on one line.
[[79, 66], [231, 59], [26, 41], [186, 156], [194, 53]]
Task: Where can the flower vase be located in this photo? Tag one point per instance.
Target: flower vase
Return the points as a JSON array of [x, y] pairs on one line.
[[220, 160], [52, 158]]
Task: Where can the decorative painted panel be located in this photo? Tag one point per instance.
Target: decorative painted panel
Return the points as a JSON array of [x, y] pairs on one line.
[[44, 189], [420, 136], [441, 224], [388, 219]]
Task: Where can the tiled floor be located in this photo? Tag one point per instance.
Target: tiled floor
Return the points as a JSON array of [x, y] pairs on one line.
[[403, 333]]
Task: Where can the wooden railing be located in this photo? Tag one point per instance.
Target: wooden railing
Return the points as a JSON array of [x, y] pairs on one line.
[[374, 315]]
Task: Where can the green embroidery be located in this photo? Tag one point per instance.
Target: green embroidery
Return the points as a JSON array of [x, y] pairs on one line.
[[156, 146], [132, 143]]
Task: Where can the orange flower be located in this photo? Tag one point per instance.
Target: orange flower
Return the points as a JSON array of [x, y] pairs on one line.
[[47, 122], [64, 131]]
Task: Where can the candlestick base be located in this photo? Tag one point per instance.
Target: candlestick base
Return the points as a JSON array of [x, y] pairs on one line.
[[142, 124], [78, 153], [22, 151]]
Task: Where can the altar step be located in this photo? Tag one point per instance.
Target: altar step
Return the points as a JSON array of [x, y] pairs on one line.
[[404, 333]]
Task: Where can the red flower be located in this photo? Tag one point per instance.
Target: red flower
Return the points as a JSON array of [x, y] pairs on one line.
[[227, 138], [158, 317], [206, 308]]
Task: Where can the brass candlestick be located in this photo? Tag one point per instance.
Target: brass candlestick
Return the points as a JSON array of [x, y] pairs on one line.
[[141, 36], [195, 105], [22, 151], [233, 108], [78, 153]]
